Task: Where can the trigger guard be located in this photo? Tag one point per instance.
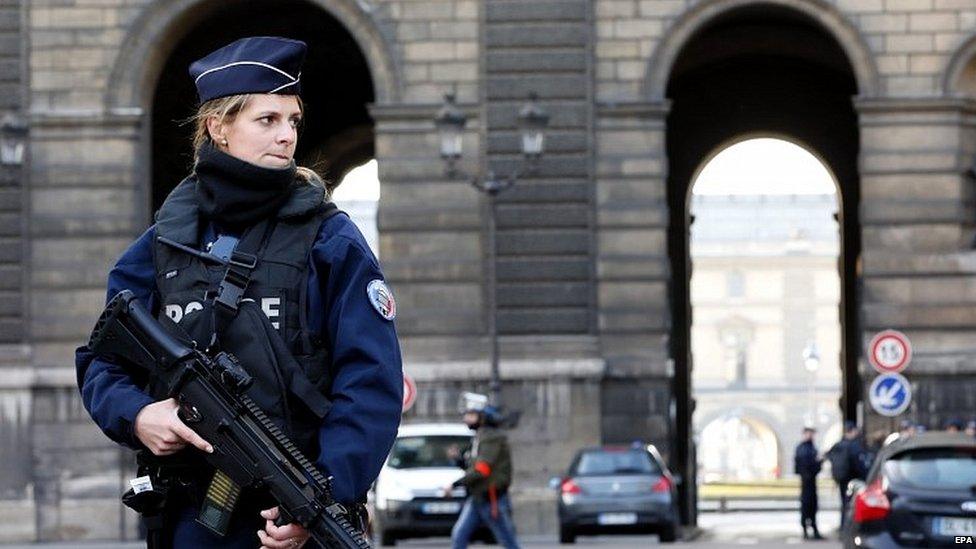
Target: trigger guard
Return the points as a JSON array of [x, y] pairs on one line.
[[284, 518]]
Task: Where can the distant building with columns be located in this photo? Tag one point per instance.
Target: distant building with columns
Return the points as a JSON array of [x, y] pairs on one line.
[[765, 286]]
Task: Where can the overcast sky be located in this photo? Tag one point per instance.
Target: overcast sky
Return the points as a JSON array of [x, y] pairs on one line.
[[764, 166], [361, 183]]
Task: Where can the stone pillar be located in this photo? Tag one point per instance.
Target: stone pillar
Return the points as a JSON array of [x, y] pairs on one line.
[[917, 215], [632, 272], [430, 235], [545, 243], [87, 203], [432, 253], [550, 360], [16, 490], [79, 475], [16, 444], [644, 398], [12, 107]]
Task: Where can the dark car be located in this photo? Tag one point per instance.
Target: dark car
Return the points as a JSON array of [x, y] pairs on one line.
[[920, 492], [617, 490]]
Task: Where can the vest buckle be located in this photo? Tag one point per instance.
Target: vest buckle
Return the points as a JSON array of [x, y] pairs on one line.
[[231, 290], [243, 260]]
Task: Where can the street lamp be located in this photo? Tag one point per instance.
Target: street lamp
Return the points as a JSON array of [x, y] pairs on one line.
[[811, 361], [811, 358], [533, 120], [13, 139], [450, 122]]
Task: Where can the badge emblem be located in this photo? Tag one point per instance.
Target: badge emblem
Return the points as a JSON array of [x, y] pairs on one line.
[[381, 298]]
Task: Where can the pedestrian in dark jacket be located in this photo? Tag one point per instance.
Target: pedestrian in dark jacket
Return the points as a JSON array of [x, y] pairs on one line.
[[487, 478], [848, 461], [807, 465]]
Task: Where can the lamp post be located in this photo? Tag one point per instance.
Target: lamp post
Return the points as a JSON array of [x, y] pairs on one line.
[[450, 122], [811, 361], [13, 140]]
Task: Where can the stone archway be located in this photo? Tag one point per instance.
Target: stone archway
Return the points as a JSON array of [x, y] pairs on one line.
[[152, 37], [959, 77], [738, 68], [823, 14], [762, 457]]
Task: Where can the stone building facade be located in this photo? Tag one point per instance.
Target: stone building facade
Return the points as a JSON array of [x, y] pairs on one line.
[[592, 250]]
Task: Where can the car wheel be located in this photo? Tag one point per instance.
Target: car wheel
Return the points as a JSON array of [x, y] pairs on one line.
[[566, 535], [387, 539], [669, 533]]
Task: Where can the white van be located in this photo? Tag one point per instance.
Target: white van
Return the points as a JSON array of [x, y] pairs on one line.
[[406, 496]]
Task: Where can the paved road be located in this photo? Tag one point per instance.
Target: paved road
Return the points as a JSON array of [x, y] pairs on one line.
[[763, 529], [637, 542], [759, 530]]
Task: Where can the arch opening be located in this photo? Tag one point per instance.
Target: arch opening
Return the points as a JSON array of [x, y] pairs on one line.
[[338, 133], [738, 447], [358, 194], [759, 70], [765, 294]]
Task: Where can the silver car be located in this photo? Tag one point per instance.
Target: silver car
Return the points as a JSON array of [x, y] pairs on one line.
[[617, 490]]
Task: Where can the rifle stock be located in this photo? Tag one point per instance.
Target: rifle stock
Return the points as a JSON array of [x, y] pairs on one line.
[[248, 447]]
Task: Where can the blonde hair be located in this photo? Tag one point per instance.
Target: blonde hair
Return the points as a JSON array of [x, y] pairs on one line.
[[225, 110]]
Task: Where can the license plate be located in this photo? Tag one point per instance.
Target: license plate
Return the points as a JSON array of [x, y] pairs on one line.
[[949, 526], [440, 508], [608, 519]]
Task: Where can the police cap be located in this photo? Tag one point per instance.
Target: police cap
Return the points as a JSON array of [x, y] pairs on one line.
[[257, 64]]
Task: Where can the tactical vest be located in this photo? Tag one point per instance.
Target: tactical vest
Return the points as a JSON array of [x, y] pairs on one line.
[[268, 332]]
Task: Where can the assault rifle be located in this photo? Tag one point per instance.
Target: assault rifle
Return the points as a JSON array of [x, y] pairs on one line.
[[249, 449]]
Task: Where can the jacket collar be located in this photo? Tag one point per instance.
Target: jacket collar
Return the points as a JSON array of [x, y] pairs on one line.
[[178, 219]]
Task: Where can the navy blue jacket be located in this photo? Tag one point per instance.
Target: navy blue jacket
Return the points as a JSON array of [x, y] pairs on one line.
[[367, 391], [805, 461]]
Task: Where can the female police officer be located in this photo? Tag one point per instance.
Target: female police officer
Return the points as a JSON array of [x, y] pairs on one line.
[[302, 303]]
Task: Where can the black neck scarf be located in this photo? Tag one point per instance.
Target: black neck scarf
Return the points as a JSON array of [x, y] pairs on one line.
[[236, 194]]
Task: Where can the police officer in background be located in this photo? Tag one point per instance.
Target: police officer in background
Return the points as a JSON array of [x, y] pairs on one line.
[[296, 295], [849, 460], [487, 477], [807, 465]]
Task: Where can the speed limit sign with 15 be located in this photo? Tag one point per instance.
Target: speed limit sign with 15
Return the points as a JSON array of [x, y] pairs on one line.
[[890, 351]]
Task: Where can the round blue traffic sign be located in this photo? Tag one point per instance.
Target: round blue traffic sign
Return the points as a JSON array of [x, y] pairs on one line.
[[890, 394]]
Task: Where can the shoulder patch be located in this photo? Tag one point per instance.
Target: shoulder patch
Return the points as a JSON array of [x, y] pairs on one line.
[[381, 298]]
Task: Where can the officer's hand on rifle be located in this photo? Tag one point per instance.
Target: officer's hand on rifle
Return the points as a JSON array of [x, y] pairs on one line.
[[161, 430], [289, 536]]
